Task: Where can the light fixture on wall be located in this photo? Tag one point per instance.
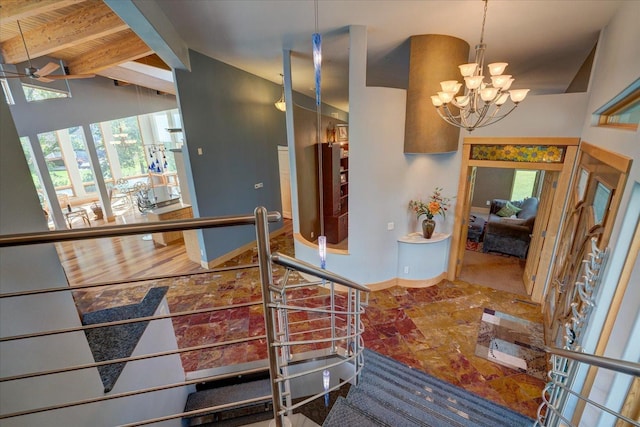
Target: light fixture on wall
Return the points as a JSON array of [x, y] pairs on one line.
[[280, 104], [482, 102]]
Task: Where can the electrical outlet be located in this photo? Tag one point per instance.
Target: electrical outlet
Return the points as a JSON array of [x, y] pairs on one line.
[[390, 226], [199, 151], [488, 202], [406, 269], [313, 234]]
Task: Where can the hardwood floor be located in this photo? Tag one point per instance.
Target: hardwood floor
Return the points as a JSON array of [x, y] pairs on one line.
[[122, 258]]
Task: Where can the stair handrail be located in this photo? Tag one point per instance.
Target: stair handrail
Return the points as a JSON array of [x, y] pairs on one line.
[[305, 267], [618, 365], [265, 259], [37, 237]]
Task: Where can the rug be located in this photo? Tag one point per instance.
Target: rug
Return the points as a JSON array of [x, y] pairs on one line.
[[473, 246], [512, 342]]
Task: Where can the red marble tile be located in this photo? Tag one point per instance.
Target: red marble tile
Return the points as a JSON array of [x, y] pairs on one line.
[[237, 328], [432, 329], [405, 326], [198, 319]]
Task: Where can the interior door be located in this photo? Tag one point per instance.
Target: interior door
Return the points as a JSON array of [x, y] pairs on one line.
[[468, 194], [594, 196], [285, 181], [539, 231]]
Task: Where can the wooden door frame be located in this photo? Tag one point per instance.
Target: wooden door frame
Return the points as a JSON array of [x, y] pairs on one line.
[[463, 207]]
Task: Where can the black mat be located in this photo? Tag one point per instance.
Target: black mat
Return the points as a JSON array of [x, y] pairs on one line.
[[119, 341]]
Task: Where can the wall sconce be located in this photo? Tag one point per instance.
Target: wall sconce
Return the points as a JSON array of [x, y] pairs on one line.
[[280, 104]]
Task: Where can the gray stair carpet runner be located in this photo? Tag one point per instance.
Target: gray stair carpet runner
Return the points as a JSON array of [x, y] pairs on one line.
[[392, 394]]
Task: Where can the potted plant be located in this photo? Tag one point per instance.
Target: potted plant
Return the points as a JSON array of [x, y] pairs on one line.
[[436, 205]]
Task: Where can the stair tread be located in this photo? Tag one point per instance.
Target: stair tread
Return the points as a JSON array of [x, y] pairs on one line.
[[229, 394], [446, 401], [389, 368], [425, 409], [344, 413]]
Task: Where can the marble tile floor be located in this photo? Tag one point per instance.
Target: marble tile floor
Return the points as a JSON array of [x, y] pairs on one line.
[[432, 329]]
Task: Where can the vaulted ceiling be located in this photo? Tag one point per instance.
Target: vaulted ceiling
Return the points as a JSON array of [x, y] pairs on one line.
[[86, 35], [545, 42]]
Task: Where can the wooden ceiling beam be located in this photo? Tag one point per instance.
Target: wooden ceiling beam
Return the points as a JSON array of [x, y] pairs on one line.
[[15, 10], [89, 23], [126, 48], [154, 61], [129, 76]]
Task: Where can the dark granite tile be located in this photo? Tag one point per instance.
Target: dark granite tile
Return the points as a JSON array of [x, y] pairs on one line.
[[119, 341]]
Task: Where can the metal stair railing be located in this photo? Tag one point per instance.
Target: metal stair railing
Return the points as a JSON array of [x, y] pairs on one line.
[[564, 365], [34, 238], [341, 342], [337, 314]]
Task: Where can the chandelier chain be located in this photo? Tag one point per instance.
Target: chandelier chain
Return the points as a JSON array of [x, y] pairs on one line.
[[484, 19]]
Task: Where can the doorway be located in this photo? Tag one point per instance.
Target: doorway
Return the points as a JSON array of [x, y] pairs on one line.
[[553, 155], [499, 261]]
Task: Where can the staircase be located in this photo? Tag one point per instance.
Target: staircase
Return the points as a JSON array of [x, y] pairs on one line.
[[392, 394]]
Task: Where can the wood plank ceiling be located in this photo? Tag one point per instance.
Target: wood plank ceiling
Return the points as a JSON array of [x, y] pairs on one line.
[[86, 35]]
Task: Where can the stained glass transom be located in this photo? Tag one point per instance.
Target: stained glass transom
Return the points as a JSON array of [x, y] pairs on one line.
[[519, 153]]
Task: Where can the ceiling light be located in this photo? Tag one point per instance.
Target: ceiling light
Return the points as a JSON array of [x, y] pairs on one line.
[[482, 102], [280, 104]]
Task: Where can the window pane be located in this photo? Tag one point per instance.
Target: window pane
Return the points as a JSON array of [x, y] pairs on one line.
[[76, 137], [36, 93], [103, 157], [56, 164], [524, 182]]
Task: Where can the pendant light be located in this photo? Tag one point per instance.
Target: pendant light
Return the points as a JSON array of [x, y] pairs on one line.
[[280, 104]]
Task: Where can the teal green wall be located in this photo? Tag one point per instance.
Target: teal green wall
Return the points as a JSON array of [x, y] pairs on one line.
[[229, 115]]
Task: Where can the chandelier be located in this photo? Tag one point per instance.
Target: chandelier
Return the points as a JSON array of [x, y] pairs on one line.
[[483, 102], [122, 137]]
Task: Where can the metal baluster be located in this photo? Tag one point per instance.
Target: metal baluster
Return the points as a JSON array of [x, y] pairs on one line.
[[266, 278]]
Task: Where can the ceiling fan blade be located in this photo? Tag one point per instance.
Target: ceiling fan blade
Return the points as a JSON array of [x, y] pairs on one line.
[[43, 79], [71, 77], [47, 69]]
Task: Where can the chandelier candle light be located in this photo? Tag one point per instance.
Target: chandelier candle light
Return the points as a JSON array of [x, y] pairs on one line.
[[482, 102]]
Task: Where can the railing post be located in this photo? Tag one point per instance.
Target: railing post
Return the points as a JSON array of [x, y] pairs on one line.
[[266, 278], [357, 341], [332, 306]]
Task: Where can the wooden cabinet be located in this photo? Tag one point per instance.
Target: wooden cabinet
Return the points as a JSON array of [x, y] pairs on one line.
[[166, 213], [335, 185]]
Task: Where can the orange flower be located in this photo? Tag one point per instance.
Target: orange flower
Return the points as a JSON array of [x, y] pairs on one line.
[[437, 205], [434, 208]]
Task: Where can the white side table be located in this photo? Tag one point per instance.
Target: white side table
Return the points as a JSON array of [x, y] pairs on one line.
[[420, 258]]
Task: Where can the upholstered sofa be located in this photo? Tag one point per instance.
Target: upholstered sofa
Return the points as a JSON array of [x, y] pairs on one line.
[[509, 226]]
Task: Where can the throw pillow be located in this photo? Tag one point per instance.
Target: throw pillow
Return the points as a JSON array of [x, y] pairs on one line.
[[508, 210]]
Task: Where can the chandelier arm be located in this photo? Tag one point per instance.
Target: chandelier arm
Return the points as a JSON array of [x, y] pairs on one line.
[[449, 118], [446, 117], [499, 118], [482, 115]]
